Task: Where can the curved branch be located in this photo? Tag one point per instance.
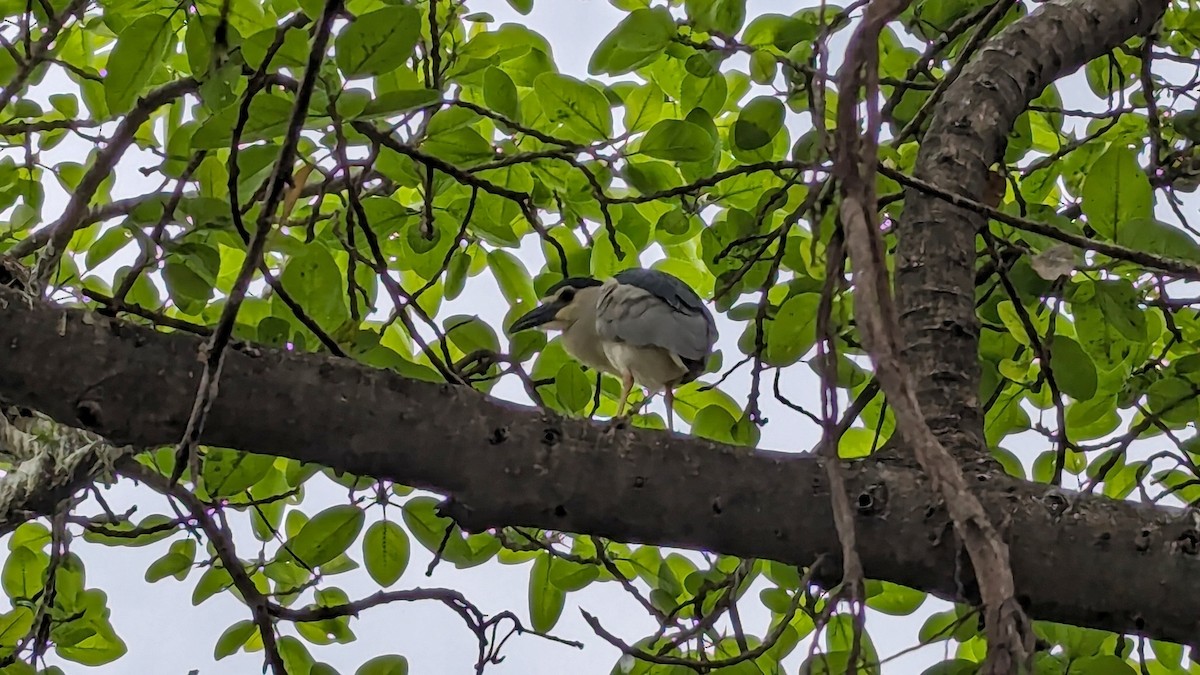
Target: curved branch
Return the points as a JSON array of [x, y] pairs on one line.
[[935, 256]]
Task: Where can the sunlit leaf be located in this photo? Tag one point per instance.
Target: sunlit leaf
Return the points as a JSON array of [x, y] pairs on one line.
[[139, 51], [385, 552], [326, 535], [379, 41]]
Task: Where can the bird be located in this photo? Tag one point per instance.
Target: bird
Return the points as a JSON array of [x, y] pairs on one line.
[[643, 326]]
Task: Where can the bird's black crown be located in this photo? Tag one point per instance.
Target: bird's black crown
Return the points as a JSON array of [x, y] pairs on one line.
[[573, 282]]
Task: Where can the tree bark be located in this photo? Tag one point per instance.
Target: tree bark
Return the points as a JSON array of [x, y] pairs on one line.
[[1087, 561], [935, 254]]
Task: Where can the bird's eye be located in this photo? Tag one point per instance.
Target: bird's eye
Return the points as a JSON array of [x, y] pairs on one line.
[[567, 295]]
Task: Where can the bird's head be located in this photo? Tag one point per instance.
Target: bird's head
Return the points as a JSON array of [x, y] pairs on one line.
[[565, 303]]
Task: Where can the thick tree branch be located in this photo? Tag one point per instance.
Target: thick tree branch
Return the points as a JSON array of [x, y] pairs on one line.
[[935, 256], [855, 157], [506, 464]]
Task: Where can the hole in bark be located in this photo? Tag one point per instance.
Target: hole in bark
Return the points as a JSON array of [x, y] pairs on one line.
[[639, 482], [1103, 539], [872, 500], [1142, 541], [551, 436], [88, 414], [817, 485], [560, 511], [1189, 542], [499, 435], [716, 506], [1056, 503], [865, 503]]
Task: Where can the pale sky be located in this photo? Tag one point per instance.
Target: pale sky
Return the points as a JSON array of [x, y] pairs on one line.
[[166, 634]]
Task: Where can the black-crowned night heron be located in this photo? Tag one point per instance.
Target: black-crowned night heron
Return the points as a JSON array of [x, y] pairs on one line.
[[643, 326]]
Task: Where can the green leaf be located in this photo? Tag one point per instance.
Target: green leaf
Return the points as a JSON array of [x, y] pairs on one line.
[[573, 387], [1154, 236], [522, 6], [101, 647], [215, 580], [471, 334], [717, 16], [1119, 303], [233, 638], [327, 535], [546, 601], [270, 114], [638, 40], [113, 240], [758, 122], [1074, 370], [188, 289], [296, 657], [938, 627], [715, 423], [230, 472], [31, 534], [15, 625], [515, 283], [22, 576], [953, 667], [388, 664], [392, 103], [778, 31], [378, 42], [420, 514], [150, 521], [1115, 191], [678, 141], [643, 106], [1169, 653], [894, 599], [1105, 664], [793, 331], [1187, 123], [315, 281], [604, 262], [140, 49], [579, 107], [177, 561], [385, 552], [571, 577], [834, 663], [500, 93]]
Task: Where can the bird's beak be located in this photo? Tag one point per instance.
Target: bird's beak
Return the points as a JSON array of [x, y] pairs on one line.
[[542, 314]]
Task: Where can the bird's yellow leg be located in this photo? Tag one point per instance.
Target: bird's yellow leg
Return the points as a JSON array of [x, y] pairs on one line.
[[626, 387]]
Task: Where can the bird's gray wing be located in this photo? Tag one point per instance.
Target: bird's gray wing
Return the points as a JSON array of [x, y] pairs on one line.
[[668, 287], [631, 314]]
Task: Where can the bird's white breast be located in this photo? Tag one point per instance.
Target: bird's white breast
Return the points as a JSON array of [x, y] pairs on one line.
[[651, 367]]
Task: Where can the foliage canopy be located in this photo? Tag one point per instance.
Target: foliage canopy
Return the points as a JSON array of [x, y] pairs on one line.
[[443, 150]]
